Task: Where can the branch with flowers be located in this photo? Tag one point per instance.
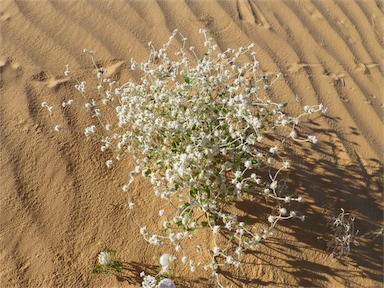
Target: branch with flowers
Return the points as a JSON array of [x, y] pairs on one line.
[[195, 127]]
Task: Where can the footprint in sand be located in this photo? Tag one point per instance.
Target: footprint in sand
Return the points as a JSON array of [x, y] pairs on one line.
[[48, 80]]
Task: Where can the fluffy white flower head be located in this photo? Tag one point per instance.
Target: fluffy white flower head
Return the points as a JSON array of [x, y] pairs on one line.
[[149, 281], [166, 260], [166, 283], [105, 258]]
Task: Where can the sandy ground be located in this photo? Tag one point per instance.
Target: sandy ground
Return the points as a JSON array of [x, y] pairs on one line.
[[59, 201]]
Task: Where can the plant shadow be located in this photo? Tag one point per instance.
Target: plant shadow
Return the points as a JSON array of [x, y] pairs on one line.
[[329, 176], [131, 275]]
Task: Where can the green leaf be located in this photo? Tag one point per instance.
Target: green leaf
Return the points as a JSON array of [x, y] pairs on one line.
[[118, 265], [179, 223], [204, 223], [186, 79]]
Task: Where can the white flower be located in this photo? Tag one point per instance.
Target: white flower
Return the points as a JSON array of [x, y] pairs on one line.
[[286, 164], [184, 259], [143, 230], [323, 109], [166, 260], [149, 282], [229, 260], [90, 130], [312, 139], [240, 231], [166, 283], [131, 205], [105, 258], [161, 212], [57, 128], [273, 149], [109, 163], [216, 229], [172, 237], [271, 219], [292, 213], [283, 211], [238, 174], [155, 240]]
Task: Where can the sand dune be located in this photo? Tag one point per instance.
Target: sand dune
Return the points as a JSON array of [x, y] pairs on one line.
[[58, 200]]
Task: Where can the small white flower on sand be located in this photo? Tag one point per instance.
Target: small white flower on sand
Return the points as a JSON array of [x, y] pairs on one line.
[[166, 283], [286, 164], [90, 130], [271, 219], [105, 258], [165, 260], [143, 230], [109, 163], [273, 149], [312, 139], [148, 281], [57, 128], [229, 260]]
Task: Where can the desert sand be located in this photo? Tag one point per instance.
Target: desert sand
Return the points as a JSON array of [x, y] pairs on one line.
[[58, 201]]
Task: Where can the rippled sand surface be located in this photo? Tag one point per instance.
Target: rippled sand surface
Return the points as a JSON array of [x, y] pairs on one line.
[[58, 200]]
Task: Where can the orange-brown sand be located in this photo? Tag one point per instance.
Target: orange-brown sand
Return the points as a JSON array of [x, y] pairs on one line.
[[58, 200]]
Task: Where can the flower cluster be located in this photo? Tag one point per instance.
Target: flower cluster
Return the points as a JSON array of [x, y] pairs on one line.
[[108, 263], [162, 279], [198, 128]]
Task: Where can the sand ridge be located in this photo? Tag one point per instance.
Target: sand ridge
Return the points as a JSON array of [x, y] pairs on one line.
[[58, 200]]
